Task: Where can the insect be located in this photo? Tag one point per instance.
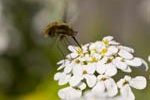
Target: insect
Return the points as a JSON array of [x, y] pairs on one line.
[[61, 30]]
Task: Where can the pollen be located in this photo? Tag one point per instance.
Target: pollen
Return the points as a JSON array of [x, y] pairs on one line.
[[103, 51], [104, 79], [94, 59], [106, 42], [125, 82], [84, 72], [80, 51]]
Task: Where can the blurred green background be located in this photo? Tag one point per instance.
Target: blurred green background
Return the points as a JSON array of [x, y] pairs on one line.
[[28, 60]]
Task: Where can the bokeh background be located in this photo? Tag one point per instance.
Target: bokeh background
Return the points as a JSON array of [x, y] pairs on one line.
[[28, 60]]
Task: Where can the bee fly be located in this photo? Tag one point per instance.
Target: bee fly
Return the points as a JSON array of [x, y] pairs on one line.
[[60, 29]]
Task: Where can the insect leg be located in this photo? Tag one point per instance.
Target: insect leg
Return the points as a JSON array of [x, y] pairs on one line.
[[62, 53]]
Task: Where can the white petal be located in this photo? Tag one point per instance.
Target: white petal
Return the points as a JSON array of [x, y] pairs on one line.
[[99, 87], [127, 49], [110, 70], [72, 48], [77, 70], [64, 79], [91, 80], [90, 68], [101, 69], [120, 83], [127, 93], [68, 69], [111, 87], [75, 80], [128, 78], [149, 58], [109, 38], [69, 93], [114, 43], [60, 67], [138, 82], [144, 65], [60, 62], [128, 70], [99, 45], [113, 49], [119, 64], [58, 75], [75, 94], [82, 86], [125, 54], [134, 62], [72, 55]]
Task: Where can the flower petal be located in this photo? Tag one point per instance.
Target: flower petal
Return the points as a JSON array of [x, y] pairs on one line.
[[90, 68], [82, 86], [111, 87], [64, 79], [90, 79], [138, 82], [111, 50], [125, 54], [110, 70], [72, 48], [78, 70], [101, 69], [57, 76], [127, 48], [75, 80], [134, 62], [109, 38], [99, 87], [149, 58], [69, 93], [127, 93], [144, 65], [119, 64]]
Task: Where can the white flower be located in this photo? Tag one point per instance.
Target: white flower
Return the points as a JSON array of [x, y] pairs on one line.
[[105, 66], [92, 67], [149, 58], [70, 93], [77, 51], [108, 40], [63, 64], [82, 72], [62, 77], [124, 84], [105, 86]]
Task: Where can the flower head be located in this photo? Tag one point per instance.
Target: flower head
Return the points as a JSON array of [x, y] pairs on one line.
[[92, 67]]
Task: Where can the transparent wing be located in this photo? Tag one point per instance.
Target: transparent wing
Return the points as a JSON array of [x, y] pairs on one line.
[[71, 11]]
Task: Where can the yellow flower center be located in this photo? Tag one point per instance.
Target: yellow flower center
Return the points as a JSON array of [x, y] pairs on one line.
[[106, 42], [94, 59], [80, 51], [103, 51]]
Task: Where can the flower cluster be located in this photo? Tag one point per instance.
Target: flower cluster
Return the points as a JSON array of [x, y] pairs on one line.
[[88, 71]]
